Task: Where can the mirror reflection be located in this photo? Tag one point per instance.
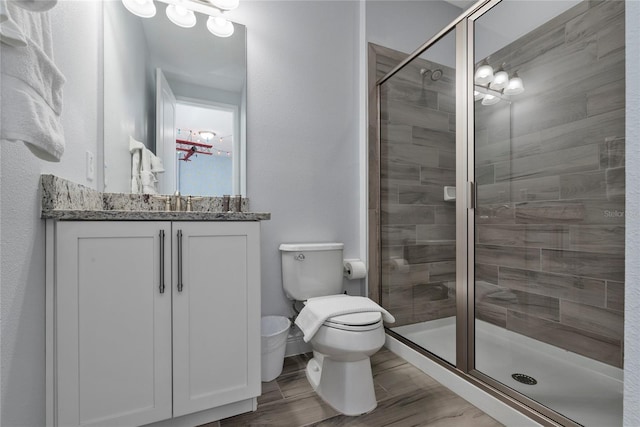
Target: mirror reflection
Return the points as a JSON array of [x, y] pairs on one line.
[[174, 106]]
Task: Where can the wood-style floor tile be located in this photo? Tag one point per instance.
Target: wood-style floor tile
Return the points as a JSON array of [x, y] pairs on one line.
[[406, 397], [270, 393], [295, 412], [294, 384], [419, 408]]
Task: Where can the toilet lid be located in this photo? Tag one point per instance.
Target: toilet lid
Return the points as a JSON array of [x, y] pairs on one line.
[[356, 319]]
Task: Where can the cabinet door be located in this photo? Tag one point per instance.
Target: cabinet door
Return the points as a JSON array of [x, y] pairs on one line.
[[112, 323], [216, 314]]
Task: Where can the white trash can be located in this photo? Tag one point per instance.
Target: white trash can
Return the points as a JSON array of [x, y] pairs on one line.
[[274, 331]]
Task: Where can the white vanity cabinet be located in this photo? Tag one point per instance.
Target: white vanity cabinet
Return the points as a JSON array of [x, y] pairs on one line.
[[151, 321]]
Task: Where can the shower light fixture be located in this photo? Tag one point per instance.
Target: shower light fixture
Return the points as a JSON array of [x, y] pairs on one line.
[[491, 87], [181, 12], [515, 85], [484, 73], [490, 99], [500, 80]]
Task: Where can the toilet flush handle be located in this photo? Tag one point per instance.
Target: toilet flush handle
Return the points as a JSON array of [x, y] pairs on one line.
[[300, 257]]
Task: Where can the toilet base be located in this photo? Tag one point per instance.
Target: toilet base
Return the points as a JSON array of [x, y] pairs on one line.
[[346, 386]]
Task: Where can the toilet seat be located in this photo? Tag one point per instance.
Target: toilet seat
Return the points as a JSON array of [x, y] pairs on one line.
[[362, 321]]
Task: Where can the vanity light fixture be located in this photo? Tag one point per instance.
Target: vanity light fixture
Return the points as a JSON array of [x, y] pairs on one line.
[[181, 12], [219, 26], [181, 16], [141, 8], [225, 4]]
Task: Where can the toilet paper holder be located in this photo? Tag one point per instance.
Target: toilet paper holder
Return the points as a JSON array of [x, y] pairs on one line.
[[354, 269]]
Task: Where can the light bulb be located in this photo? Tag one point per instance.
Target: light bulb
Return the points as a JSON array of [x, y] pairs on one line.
[[225, 4], [141, 8], [490, 99], [477, 95], [500, 80], [181, 16], [219, 26], [515, 85], [484, 73]]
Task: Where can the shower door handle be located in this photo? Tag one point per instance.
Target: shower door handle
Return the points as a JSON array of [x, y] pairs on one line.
[[471, 191]]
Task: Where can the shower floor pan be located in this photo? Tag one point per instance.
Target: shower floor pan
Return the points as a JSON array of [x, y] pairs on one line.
[[587, 391]]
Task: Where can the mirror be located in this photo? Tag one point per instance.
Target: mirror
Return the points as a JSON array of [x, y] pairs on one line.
[[162, 84]]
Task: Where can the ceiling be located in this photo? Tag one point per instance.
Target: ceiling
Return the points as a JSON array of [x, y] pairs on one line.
[[462, 4]]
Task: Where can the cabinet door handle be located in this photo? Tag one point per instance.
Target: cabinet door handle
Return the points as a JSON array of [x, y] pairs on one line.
[[180, 284], [162, 261]]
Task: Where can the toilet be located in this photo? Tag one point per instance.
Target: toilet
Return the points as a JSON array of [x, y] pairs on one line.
[[340, 370]]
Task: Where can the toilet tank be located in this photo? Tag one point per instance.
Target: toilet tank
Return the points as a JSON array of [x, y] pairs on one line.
[[311, 269]]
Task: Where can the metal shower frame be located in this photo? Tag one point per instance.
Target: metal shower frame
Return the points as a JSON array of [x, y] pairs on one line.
[[465, 225]]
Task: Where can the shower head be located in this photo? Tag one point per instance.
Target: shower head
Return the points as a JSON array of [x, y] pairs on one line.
[[435, 75]]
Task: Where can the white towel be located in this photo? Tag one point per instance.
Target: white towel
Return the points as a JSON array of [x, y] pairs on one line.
[[135, 145], [317, 310], [147, 176], [156, 164], [136, 185], [135, 148], [35, 5], [144, 165], [31, 86], [10, 33], [148, 180]]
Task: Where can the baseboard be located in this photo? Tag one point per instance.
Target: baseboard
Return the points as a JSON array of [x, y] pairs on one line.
[[209, 415]]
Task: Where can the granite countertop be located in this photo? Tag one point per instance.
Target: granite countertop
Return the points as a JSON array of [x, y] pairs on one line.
[[116, 215], [66, 200]]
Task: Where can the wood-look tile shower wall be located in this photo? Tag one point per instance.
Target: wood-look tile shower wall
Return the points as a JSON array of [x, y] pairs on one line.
[[550, 173], [417, 151]]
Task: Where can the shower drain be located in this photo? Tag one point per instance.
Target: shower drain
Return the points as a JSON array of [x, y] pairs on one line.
[[524, 379]]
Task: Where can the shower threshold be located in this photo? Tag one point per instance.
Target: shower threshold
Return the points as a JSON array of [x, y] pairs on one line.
[[584, 390]]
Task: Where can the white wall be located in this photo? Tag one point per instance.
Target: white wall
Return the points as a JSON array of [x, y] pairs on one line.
[[78, 55], [406, 25], [127, 77], [632, 264], [302, 128], [303, 166]]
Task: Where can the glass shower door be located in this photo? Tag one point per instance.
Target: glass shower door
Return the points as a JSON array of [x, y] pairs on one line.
[[549, 222], [417, 195]]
